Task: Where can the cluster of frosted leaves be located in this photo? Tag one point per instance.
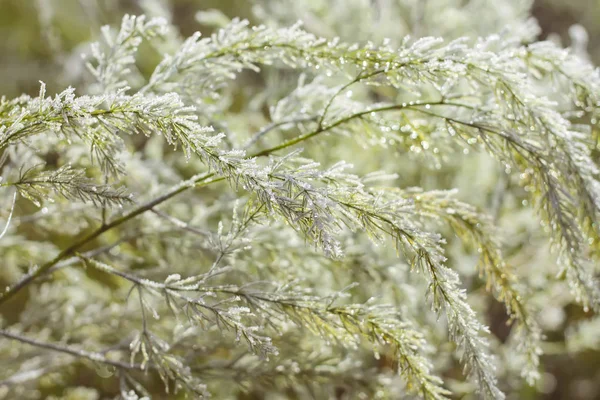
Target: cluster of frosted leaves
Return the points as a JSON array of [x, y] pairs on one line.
[[202, 66], [33, 184], [206, 306], [348, 324], [495, 92], [98, 121], [576, 85], [111, 61], [340, 323], [465, 220], [307, 375], [509, 121], [473, 227]]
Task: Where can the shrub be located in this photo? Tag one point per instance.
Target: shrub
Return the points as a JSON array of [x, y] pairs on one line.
[[187, 221]]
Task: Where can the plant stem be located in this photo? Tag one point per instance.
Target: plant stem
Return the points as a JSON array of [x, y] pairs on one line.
[[93, 356], [343, 120]]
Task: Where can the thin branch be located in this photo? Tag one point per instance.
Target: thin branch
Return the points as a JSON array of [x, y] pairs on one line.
[[93, 356], [274, 125], [343, 120], [358, 78], [180, 224], [26, 376], [12, 208]]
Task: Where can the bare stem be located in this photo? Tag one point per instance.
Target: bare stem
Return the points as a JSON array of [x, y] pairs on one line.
[[322, 128], [93, 356], [274, 125]]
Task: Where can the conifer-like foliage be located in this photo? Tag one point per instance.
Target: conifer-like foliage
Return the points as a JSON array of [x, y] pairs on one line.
[[270, 209]]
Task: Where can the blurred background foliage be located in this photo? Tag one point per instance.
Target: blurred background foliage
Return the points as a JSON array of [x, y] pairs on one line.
[[44, 39]]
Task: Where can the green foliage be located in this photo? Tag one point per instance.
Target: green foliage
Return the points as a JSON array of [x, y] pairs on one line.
[[186, 244]]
